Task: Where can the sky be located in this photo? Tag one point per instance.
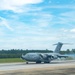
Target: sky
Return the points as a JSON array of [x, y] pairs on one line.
[[37, 24]]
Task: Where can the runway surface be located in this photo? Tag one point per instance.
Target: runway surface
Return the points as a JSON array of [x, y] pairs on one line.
[[21, 66]]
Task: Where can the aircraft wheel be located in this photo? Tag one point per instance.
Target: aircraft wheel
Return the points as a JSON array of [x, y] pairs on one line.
[[38, 62], [47, 62], [26, 62]]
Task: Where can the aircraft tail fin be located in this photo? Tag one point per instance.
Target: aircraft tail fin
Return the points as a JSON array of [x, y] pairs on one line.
[[58, 47]]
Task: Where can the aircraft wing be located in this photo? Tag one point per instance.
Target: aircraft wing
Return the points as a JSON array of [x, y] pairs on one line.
[[63, 56]]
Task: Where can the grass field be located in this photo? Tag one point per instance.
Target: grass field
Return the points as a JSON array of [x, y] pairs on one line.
[[11, 60]]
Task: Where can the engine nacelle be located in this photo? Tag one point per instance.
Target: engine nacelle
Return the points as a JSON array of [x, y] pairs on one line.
[[54, 57], [44, 56]]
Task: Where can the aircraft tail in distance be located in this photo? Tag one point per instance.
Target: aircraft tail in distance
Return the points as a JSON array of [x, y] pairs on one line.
[[58, 47]]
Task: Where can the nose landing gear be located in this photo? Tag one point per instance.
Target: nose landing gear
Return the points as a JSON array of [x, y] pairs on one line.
[[26, 62]]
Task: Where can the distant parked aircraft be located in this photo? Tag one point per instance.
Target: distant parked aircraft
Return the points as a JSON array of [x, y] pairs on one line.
[[44, 57]]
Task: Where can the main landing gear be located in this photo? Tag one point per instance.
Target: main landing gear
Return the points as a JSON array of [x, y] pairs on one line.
[[38, 62]]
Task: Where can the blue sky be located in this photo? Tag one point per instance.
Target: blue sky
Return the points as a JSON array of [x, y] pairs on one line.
[[36, 24]]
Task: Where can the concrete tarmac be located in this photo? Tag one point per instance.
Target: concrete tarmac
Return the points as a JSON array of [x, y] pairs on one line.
[[10, 68]]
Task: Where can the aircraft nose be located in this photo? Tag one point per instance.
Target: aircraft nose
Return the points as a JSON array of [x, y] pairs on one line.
[[26, 57], [22, 57]]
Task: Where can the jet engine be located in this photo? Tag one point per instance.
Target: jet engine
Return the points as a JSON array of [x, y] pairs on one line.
[[45, 58]]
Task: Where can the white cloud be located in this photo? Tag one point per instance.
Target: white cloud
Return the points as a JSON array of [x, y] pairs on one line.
[[16, 5], [39, 33], [67, 34], [69, 16], [5, 23], [72, 30], [64, 30], [67, 19], [43, 19], [22, 2], [62, 6], [26, 42]]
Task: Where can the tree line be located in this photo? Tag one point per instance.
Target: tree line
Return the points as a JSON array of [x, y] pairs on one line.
[[16, 53]]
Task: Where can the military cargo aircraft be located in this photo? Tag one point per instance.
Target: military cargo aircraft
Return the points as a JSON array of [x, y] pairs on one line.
[[44, 57]]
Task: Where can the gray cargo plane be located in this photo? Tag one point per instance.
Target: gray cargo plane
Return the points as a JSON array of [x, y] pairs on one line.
[[44, 57]]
